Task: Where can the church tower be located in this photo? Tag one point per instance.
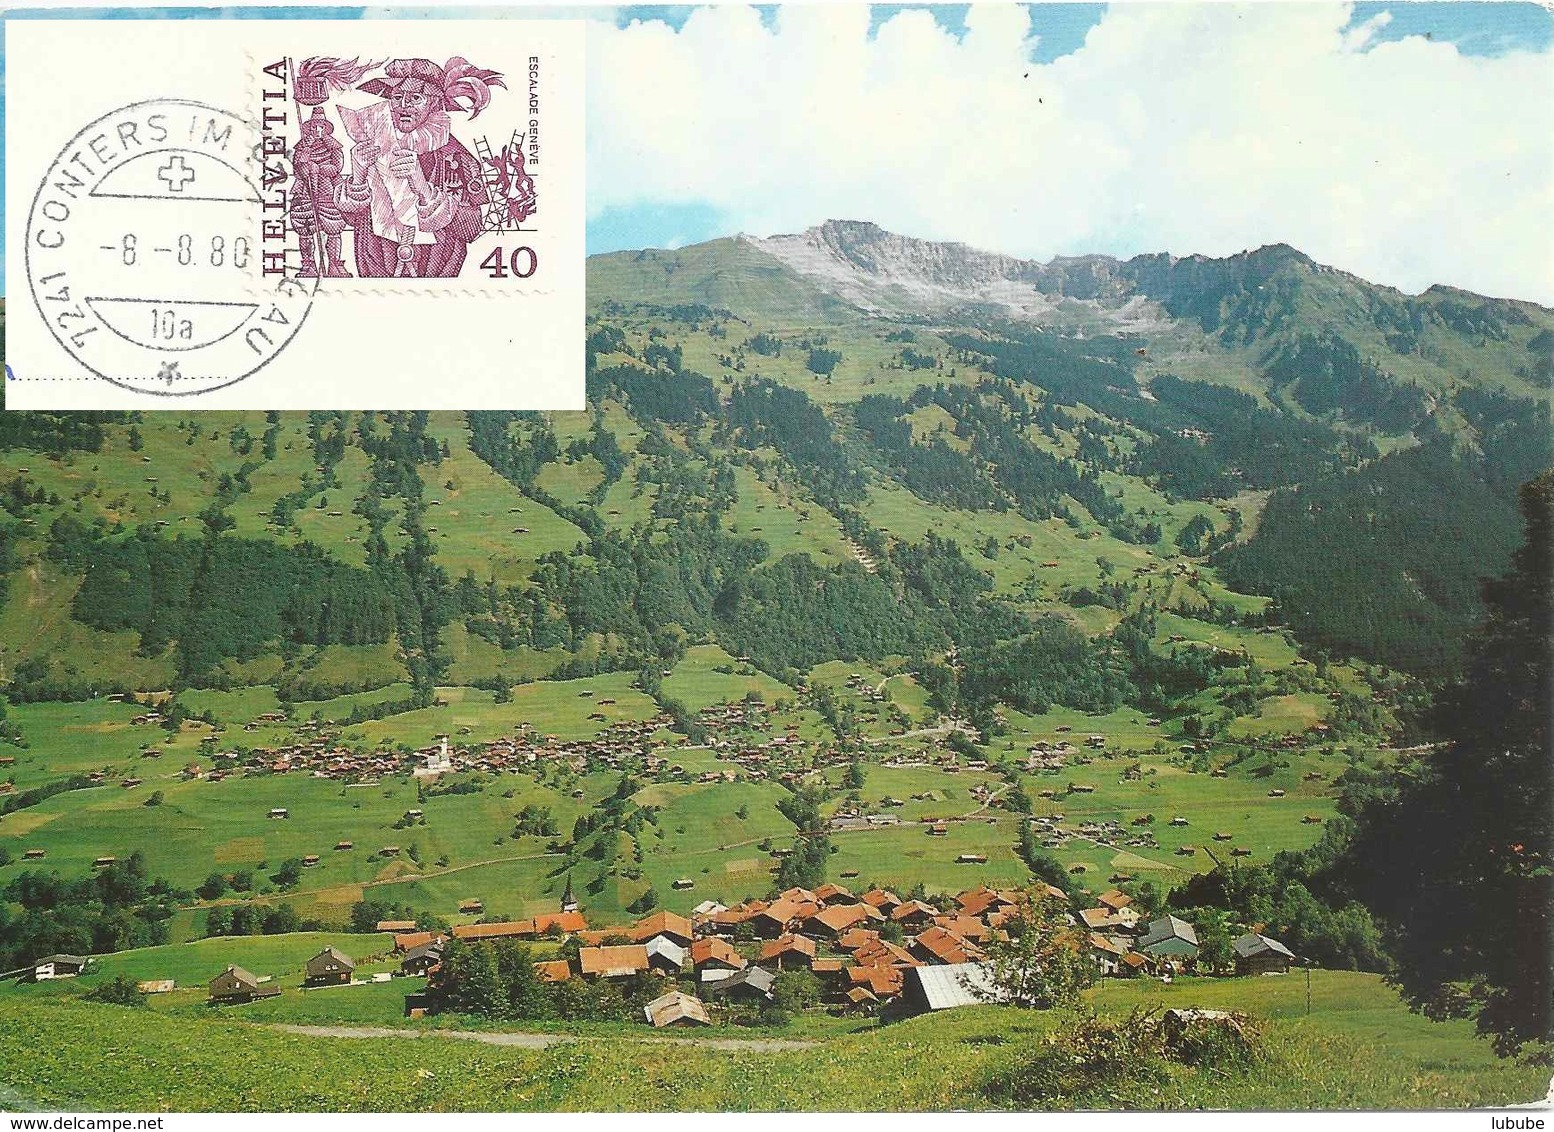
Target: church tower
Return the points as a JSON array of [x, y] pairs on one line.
[[568, 900]]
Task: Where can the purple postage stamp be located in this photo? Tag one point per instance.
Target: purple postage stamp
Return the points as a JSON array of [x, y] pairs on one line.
[[305, 214], [388, 157]]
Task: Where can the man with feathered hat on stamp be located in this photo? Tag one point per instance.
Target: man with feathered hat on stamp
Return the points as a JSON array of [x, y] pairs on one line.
[[415, 194]]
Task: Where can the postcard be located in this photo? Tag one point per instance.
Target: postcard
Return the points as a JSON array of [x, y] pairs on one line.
[[295, 215], [1016, 576]]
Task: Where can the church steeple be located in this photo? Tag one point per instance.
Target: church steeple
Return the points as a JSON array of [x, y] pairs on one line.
[[568, 901]]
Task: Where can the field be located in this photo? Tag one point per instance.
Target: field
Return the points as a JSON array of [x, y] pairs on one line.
[[1358, 1048]]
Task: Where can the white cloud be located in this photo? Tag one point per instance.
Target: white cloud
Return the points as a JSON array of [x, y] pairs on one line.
[[1182, 127]]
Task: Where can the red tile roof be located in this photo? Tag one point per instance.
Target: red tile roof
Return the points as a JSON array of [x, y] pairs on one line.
[[883, 982], [663, 923], [1114, 899], [967, 927], [946, 947], [883, 953], [881, 898], [983, 899], [628, 959], [791, 943], [854, 938], [553, 971], [840, 917], [831, 893], [712, 950], [406, 940], [508, 929], [566, 921]]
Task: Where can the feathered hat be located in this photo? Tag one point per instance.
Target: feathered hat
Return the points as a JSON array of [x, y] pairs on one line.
[[460, 85]]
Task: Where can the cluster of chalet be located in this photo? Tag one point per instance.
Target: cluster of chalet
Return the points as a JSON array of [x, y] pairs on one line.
[[1124, 944], [734, 955]]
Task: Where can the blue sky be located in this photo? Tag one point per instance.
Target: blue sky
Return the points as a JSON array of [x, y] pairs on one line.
[[1480, 30]]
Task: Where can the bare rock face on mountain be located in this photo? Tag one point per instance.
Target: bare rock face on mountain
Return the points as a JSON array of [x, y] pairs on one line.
[[898, 276]]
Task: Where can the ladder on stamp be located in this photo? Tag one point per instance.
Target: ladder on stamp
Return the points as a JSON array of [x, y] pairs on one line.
[[495, 211]]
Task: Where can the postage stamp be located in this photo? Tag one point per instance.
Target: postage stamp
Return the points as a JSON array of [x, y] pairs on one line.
[[421, 184], [295, 214]]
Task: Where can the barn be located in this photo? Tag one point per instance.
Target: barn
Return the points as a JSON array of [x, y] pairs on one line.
[[1261, 955]]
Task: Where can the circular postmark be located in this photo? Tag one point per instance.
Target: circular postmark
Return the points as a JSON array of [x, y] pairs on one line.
[[145, 251]]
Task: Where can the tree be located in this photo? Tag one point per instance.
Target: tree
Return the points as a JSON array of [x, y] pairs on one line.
[[796, 990], [1045, 962], [853, 780], [218, 922], [1213, 929], [215, 886], [1457, 863]]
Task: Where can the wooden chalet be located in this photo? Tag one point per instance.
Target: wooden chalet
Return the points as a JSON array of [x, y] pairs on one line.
[[330, 967], [235, 985], [713, 953], [788, 951], [667, 924], [1261, 955]]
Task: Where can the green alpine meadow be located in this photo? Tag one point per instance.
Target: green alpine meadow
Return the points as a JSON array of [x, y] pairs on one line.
[[921, 679]]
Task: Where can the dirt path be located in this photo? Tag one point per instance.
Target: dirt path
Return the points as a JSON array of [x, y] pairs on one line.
[[539, 1041]]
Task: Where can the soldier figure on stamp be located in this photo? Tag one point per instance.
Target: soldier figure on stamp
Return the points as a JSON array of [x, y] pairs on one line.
[[319, 161]]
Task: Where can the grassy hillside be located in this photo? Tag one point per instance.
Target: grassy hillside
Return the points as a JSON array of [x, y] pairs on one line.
[[1357, 1049]]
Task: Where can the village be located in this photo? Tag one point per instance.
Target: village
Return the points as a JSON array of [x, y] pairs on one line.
[[871, 954]]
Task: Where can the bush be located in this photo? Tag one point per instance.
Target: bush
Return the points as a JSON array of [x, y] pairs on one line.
[[1105, 1061], [119, 991]]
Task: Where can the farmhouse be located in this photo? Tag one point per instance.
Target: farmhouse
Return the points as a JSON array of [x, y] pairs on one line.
[[665, 955], [422, 958], [330, 967], [935, 945], [613, 962], [1170, 937], [712, 953], [837, 918], [235, 985], [54, 967], [914, 913], [396, 925], [553, 971], [881, 982], [1261, 955]]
